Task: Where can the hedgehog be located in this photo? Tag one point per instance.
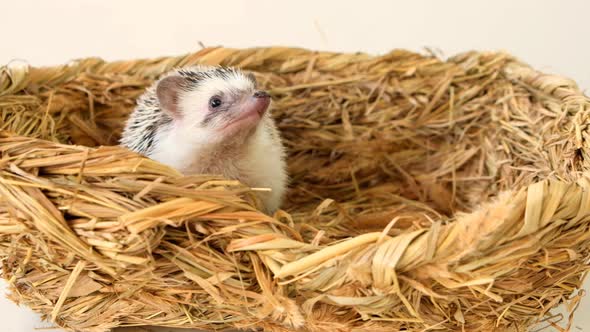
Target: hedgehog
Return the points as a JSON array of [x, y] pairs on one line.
[[211, 120]]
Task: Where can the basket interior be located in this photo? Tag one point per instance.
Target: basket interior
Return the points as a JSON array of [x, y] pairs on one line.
[[382, 136]]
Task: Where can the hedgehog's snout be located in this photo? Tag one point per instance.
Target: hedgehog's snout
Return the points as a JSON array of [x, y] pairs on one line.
[[261, 94], [260, 102]]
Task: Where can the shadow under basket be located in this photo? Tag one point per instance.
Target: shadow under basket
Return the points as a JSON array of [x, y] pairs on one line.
[[425, 194]]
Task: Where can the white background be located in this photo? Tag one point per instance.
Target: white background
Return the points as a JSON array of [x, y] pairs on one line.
[[553, 36]]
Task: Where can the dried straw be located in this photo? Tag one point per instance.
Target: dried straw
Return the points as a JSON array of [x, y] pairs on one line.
[[426, 195]]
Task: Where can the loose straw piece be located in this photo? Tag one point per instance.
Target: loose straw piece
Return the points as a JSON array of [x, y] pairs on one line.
[[325, 254], [67, 288]]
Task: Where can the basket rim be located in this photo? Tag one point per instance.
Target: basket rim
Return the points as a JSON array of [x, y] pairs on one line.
[[208, 55], [16, 76]]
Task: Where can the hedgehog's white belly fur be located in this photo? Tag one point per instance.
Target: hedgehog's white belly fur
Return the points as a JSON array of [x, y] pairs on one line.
[[259, 163]]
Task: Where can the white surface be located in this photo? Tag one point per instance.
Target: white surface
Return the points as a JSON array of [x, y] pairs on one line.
[[550, 35]]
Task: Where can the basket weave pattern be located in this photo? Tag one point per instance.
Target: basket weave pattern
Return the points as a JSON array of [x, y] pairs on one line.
[[424, 193]]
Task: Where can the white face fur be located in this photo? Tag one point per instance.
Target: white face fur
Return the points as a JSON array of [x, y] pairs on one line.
[[210, 108], [196, 104], [218, 106]]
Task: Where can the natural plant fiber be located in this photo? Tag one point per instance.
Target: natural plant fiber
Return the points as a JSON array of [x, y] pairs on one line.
[[425, 195]]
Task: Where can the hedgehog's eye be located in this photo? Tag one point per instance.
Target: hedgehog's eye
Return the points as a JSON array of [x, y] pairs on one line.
[[215, 102]]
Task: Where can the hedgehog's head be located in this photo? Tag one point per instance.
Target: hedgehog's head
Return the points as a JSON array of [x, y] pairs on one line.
[[213, 102]]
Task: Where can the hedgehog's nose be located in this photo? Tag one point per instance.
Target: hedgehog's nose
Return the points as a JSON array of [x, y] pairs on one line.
[[261, 94], [259, 101]]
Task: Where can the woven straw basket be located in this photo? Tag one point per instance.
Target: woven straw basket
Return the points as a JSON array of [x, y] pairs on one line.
[[425, 195]]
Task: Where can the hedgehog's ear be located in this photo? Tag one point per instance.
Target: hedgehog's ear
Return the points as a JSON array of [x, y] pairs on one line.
[[168, 91]]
